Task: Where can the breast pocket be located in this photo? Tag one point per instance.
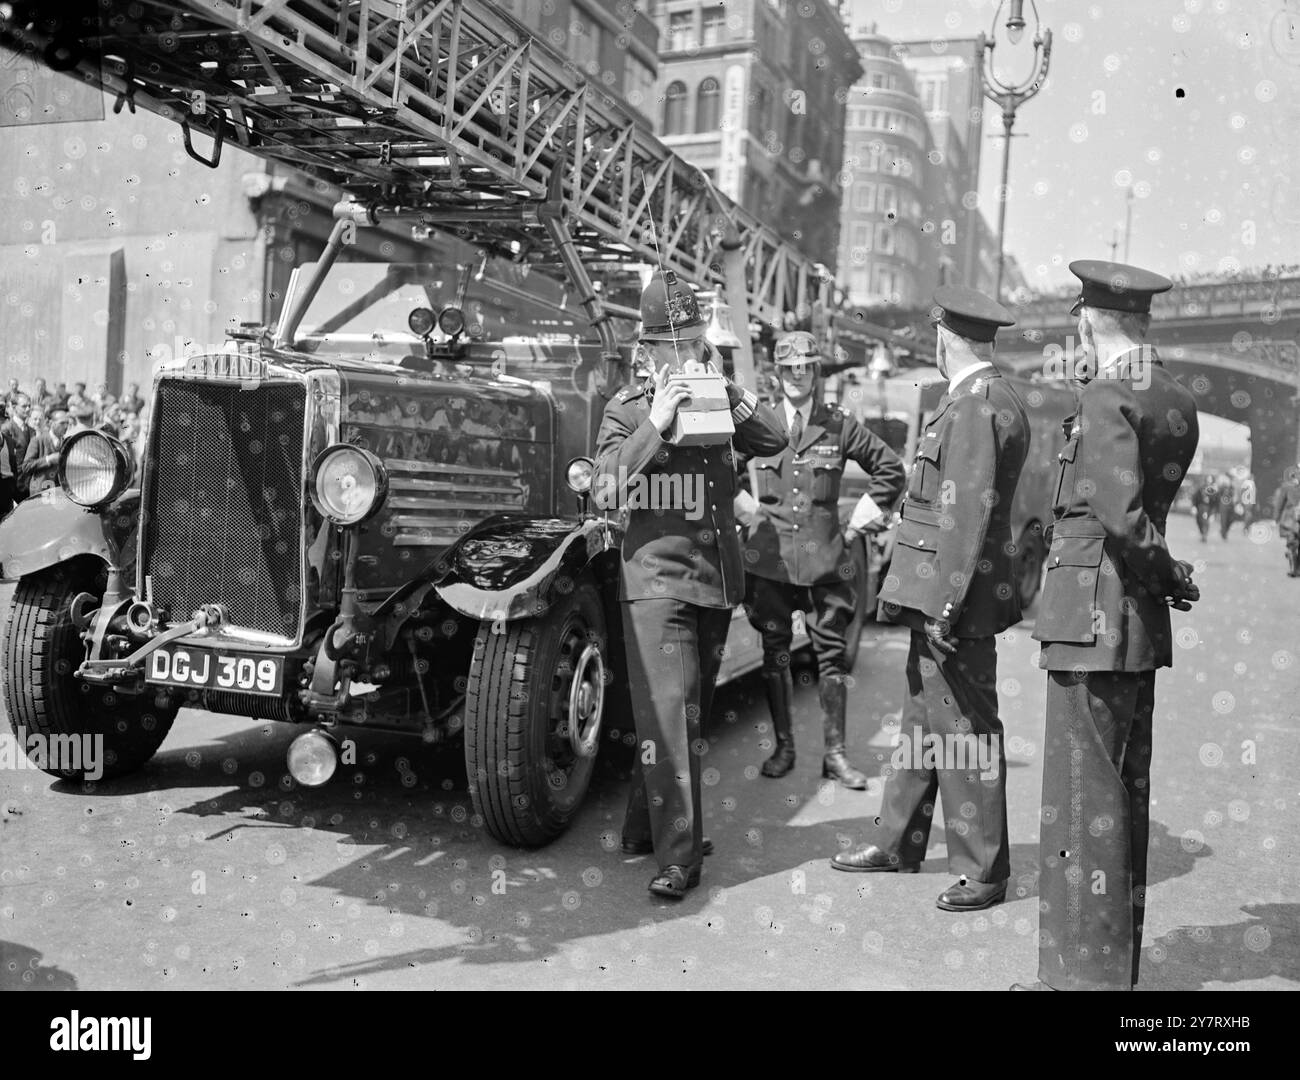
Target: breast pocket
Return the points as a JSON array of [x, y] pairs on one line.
[[826, 480], [768, 471], [924, 482]]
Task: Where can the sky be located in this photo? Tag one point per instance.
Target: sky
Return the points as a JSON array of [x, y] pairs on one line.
[[1214, 172]]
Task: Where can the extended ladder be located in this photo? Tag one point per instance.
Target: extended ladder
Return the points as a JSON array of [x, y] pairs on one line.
[[449, 108]]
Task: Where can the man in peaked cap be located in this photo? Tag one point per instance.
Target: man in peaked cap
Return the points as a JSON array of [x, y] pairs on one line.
[[681, 572], [952, 582], [1105, 629], [798, 556]]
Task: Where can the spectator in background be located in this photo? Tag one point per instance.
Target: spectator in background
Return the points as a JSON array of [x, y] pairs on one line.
[[36, 419], [13, 391], [112, 420], [61, 396], [1205, 501], [82, 417], [131, 401], [1227, 504], [77, 398], [19, 436], [41, 396], [8, 468], [41, 466], [102, 399]]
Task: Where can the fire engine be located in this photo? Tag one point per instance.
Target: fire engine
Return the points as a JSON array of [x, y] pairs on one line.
[[370, 515]]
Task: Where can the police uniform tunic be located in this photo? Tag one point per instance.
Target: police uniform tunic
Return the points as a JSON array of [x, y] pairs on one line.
[[795, 556], [681, 575], [954, 560], [1105, 629]]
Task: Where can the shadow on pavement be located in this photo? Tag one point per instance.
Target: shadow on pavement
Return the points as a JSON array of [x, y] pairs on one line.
[[21, 969], [1265, 945]]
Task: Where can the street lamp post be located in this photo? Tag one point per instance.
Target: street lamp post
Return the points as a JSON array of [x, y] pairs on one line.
[[1010, 96]]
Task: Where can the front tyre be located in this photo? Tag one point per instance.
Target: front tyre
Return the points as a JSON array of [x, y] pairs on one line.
[[43, 698], [533, 709]]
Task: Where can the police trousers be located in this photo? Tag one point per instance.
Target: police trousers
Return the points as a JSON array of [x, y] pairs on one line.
[[1093, 839], [950, 745], [769, 605], [674, 650]]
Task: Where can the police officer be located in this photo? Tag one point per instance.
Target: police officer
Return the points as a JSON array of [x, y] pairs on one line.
[[797, 556], [681, 571], [1105, 628], [952, 581]]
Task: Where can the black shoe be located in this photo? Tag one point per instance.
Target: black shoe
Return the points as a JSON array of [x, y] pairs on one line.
[[1030, 986], [781, 761], [674, 881], [870, 858], [972, 896], [835, 766], [647, 847]]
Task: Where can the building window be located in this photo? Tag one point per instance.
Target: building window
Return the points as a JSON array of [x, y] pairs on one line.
[[675, 109], [860, 285], [864, 196], [886, 283], [681, 31], [887, 201], [878, 80], [584, 45], [715, 25], [871, 162], [762, 109], [706, 105], [638, 83], [862, 237], [885, 239], [934, 95]]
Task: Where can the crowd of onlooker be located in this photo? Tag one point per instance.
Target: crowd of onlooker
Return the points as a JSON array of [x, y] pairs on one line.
[[34, 424]]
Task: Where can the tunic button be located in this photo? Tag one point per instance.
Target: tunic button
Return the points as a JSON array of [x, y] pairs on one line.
[[796, 528], [712, 507], [794, 491], [1058, 560], [710, 483]]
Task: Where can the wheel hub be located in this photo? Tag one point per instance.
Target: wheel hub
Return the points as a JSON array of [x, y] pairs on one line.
[[586, 702]]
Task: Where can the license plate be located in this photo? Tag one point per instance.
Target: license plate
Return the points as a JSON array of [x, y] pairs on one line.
[[244, 673]]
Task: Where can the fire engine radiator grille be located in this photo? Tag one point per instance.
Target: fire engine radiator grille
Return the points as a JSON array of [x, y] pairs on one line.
[[223, 519]]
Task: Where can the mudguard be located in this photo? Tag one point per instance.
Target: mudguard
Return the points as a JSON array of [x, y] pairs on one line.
[[50, 528], [516, 569]]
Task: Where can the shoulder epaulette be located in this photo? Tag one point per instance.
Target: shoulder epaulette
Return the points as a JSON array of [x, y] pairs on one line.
[[629, 393]]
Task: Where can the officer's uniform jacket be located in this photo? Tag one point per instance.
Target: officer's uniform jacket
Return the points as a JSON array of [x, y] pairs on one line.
[[667, 554], [954, 554], [1108, 569], [798, 538]]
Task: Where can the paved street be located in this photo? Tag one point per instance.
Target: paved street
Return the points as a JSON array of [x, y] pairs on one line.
[[211, 869]]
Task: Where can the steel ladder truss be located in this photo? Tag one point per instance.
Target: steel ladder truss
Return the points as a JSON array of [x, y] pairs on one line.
[[448, 109]]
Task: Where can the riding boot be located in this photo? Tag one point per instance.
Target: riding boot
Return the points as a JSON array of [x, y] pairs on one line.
[[833, 695], [780, 700]]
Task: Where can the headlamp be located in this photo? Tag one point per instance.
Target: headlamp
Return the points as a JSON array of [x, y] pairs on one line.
[[578, 475], [94, 468], [348, 484]]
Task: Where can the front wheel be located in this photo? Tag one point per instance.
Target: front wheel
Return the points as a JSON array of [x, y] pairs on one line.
[[533, 709], [70, 728]]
